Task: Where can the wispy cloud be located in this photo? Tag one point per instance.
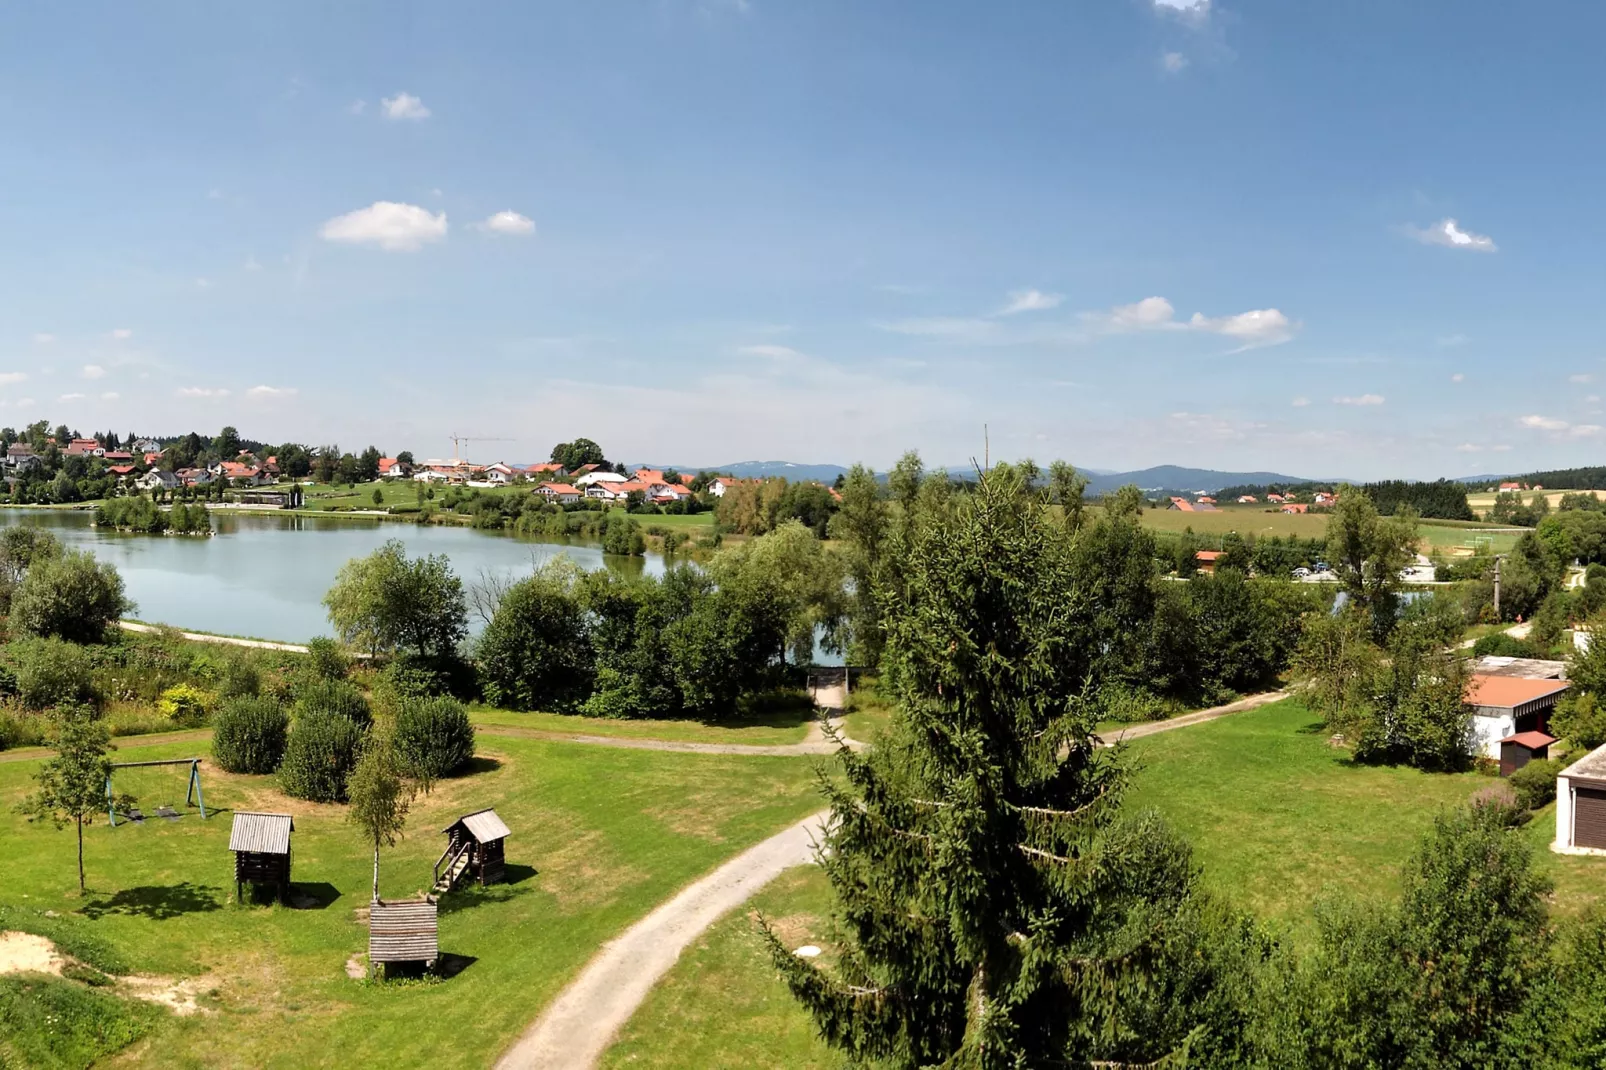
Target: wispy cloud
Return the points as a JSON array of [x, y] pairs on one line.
[[110, 395], [1359, 399], [1448, 233], [1544, 423], [202, 392], [9, 378], [93, 371], [1467, 447], [1173, 62], [388, 224], [122, 334], [1300, 402], [1030, 301], [41, 338], [1457, 377], [770, 352], [272, 391], [404, 106], [71, 397], [1258, 327], [1581, 377], [1191, 9]]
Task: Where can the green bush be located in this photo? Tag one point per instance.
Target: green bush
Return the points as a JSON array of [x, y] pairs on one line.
[[21, 730], [51, 672], [335, 697], [1501, 645], [72, 597], [1535, 783], [186, 705], [536, 652], [326, 659], [419, 676], [433, 737], [321, 752], [249, 734], [240, 679]]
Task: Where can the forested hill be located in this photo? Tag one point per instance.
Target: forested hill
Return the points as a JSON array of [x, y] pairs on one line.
[[1568, 478], [1443, 499]]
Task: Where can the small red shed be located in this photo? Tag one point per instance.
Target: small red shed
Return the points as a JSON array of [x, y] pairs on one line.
[[1518, 750]]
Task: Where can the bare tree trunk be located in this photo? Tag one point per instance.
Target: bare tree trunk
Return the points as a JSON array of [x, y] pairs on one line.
[[80, 821], [376, 871]]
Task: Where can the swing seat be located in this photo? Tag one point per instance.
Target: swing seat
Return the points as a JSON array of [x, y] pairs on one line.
[[167, 813], [136, 816]]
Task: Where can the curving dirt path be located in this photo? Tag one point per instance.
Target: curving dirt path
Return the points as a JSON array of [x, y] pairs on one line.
[[577, 1027], [1150, 728]]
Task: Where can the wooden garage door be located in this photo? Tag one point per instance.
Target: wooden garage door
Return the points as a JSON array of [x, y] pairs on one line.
[[1589, 817]]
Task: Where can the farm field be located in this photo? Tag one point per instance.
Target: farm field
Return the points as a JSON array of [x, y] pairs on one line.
[[1482, 501], [1278, 819], [600, 835], [1256, 520]]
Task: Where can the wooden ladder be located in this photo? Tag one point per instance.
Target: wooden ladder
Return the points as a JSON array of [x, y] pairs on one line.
[[446, 881]]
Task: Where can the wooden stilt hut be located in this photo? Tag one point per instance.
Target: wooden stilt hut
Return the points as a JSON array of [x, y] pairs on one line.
[[261, 846], [473, 851], [407, 931]]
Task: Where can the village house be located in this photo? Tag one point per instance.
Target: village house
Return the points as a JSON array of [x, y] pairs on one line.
[[237, 472], [606, 492], [717, 486], [1505, 705], [391, 468], [594, 477], [1203, 505], [1276, 498], [118, 457], [501, 473], [84, 447], [544, 471], [194, 477], [158, 479], [148, 445], [120, 469], [20, 457], [559, 492], [1246, 499], [1295, 507]]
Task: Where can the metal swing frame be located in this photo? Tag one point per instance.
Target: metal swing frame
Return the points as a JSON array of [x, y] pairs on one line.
[[192, 792]]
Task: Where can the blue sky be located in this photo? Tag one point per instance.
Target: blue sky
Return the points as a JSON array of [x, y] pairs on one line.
[[1330, 239]]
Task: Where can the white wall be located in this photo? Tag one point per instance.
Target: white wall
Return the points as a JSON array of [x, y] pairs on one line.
[[1487, 732]]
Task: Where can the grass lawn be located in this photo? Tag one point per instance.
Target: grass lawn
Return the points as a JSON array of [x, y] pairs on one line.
[[1244, 519], [600, 836], [761, 729], [683, 524], [1490, 540]]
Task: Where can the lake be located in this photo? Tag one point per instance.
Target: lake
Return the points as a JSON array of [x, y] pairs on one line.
[[264, 574]]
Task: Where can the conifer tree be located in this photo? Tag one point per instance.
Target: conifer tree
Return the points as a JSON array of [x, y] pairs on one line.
[[994, 912]]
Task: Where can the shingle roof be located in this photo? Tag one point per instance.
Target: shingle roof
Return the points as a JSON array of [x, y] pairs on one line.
[[403, 932], [1509, 691], [1531, 740], [483, 825], [261, 833]]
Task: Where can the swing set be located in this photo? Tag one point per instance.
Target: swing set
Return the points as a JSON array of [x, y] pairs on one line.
[[166, 790]]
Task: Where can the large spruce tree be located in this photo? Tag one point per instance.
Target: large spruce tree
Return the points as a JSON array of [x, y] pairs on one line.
[[994, 910]]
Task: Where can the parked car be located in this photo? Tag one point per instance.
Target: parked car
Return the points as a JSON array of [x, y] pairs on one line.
[[1301, 572], [1321, 566]]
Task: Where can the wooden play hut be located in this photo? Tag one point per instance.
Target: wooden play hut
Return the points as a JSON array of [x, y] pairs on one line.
[[473, 851], [406, 931], [261, 846]]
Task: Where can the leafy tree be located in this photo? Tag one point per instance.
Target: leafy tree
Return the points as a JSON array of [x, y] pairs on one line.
[[1580, 719], [621, 535], [797, 581], [227, 443], [386, 602], [294, 460], [577, 454], [72, 785], [1368, 553], [20, 547], [335, 698], [991, 916], [325, 659], [1066, 488], [72, 596], [322, 750], [367, 469], [249, 735], [379, 497], [808, 503], [751, 506], [535, 653], [861, 524], [379, 798], [405, 457], [325, 464]]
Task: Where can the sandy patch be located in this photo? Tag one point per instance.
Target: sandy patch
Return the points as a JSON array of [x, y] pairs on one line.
[[27, 953], [177, 996], [355, 968]]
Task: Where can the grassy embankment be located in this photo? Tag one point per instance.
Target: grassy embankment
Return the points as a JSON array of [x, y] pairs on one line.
[[1278, 819], [600, 836]]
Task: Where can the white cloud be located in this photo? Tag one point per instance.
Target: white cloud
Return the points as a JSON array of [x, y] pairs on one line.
[[110, 395], [1197, 9], [1448, 233], [1149, 312], [1582, 377], [1260, 327], [251, 264], [1300, 403], [357, 107], [404, 106], [1359, 399], [93, 371], [1173, 62], [508, 222], [44, 339], [1457, 377], [1451, 340], [272, 391], [71, 397], [7, 378], [1030, 301], [1543, 423], [214, 194], [387, 224], [123, 333], [1467, 447], [202, 283], [202, 392]]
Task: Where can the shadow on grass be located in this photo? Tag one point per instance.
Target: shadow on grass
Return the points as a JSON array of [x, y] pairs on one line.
[[157, 902], [316, 895], [446, 967], [470, 896], [477, 765]]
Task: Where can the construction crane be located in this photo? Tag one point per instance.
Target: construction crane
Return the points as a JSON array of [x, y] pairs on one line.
[[463, 440]]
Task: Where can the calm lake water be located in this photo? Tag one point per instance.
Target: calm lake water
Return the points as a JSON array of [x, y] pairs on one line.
[[265, 574]]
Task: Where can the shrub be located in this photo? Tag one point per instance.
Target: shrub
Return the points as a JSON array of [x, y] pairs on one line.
[[51, 672], [433, 737], [241, 679], [1535, 783], [21, 730], [536, 652], [1128, 705], [1580, 720], [321, 752], [1499, 644], [326, 659], [249, 734], [337, 698], [186, 705], [71, 597], [419, 676]]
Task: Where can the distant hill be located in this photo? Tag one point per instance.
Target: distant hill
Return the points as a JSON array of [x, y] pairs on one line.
[[1198, 480], [797, 473]]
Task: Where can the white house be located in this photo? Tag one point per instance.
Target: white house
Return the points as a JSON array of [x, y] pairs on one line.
[[607, 492], [1504, 705], [500, 473], [593, 478], [716, 487], [558, 492], [1581, 806], [157, 477]]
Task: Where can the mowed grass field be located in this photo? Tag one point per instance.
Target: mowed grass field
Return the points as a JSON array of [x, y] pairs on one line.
[[1256, 520], [600, 836], [1482, 501], [1277, 817]]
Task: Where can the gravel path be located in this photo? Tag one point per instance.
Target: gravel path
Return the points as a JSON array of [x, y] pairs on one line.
[[1150, 728], [577, 1027], [225, 640]]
